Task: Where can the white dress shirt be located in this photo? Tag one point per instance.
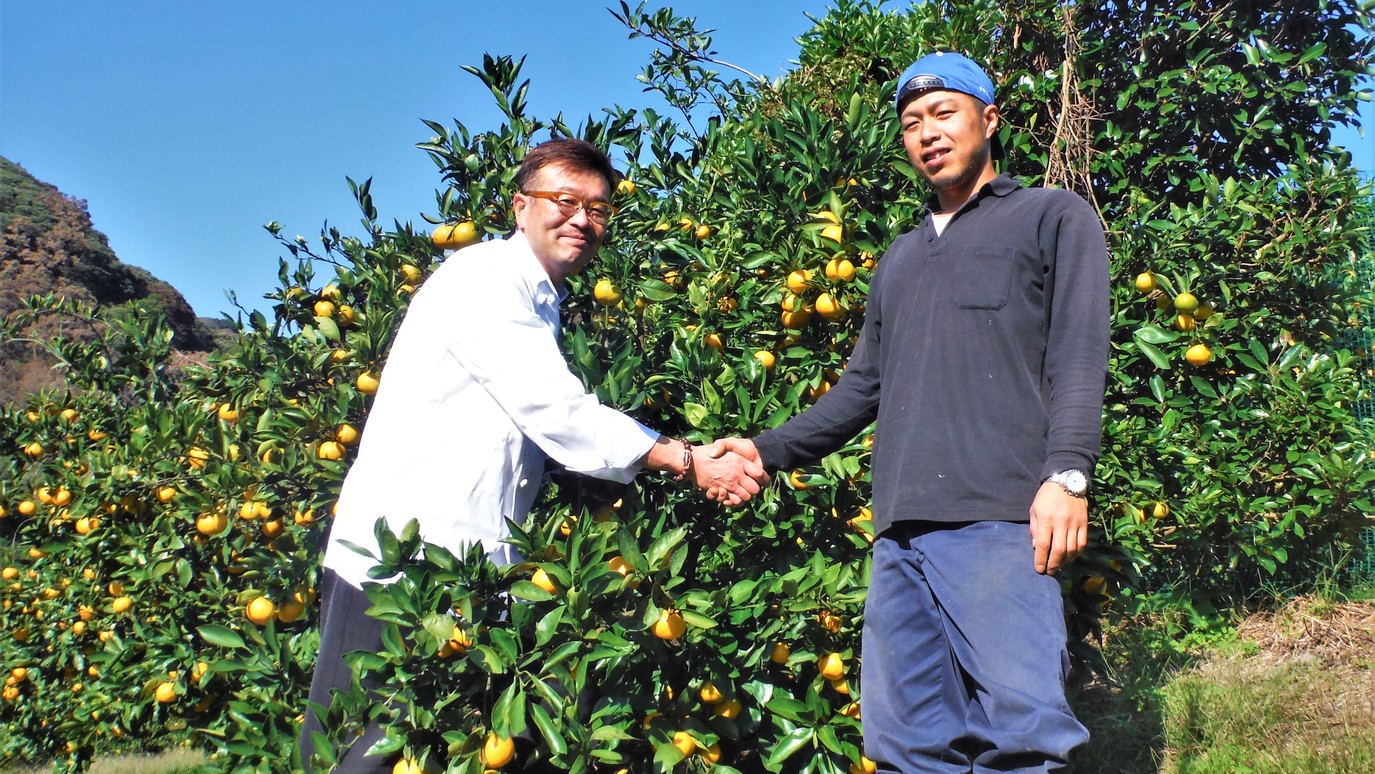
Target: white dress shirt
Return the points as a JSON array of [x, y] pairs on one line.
[[474, 395]]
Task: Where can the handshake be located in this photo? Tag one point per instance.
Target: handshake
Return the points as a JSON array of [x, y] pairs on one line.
[[728, 470]]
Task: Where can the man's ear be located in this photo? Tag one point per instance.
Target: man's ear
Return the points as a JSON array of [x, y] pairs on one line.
[[518, 205], [992, 121]]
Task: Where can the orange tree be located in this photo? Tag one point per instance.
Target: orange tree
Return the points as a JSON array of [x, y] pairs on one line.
[[164, 520]]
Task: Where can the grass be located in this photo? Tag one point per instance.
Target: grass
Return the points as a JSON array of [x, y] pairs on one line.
[[1290, 691], [180, 761]]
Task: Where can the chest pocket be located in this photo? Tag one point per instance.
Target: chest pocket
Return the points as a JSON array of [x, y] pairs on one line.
[[984, 277]]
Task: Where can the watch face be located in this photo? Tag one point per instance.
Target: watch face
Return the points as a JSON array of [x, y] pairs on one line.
[[1074, 481]]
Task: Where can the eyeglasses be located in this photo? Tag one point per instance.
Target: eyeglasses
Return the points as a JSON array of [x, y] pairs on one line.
[[568, 204]]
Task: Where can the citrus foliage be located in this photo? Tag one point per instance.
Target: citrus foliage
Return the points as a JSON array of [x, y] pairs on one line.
[[166, 516]]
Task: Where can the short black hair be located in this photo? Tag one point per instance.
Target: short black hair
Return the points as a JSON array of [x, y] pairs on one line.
[[576, 155]]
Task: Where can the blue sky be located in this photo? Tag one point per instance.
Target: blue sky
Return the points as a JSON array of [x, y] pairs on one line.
[[186, 126]]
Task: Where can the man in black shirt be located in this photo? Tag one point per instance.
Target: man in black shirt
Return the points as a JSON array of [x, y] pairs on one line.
[[983, 359]]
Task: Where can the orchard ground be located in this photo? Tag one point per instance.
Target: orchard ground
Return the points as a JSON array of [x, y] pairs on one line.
[[1289, 690]]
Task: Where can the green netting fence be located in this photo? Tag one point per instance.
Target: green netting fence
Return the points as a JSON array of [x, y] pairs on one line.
[[1361, 337]]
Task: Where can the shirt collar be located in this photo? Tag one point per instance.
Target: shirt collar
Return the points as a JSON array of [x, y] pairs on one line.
[[1000, 186], [533, 272]]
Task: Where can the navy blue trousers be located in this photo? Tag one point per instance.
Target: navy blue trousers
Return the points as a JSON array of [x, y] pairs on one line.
[[964, 653]]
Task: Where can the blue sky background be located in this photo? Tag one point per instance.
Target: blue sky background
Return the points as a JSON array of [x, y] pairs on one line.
[[186, 126]]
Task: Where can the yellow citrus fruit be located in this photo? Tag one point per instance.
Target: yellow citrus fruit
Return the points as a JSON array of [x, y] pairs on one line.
[[1203, 312], [832, 666], [122, 604], [1160, 510], [829, 307], [27, 508], [1185, 322], [290, 610], [1198, 355], [452, 236], [797, 320], [1093, 584], [34, 449], [840, 270], [367, 383], [211, 524], [166, 692], [69, 414], [9, 573], [411, 273], [626, 187], [330, 450], [606, 292], [703, 231], [766, 359], [542, 579], [346, 434], [670, 625], [799, 480], [833, 232], [619, 564], [797, 280], [197, 456], [1185, 303], [86, 525], [865, 766], [1145, 282], [780, 653], [166, 494], [260, 610], [228, 413], [684, 742], [498, 751], [198, 671], [709, 693], [714, 341], [728, 709], [713, 753], [323, 309]]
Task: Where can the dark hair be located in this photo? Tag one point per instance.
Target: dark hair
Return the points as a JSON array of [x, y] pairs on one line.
[[575, 155]]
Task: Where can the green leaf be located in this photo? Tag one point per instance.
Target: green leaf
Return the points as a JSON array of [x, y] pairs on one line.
[[548, 730], [791, 743], [222, 636], [1155, 355], [695, 414]]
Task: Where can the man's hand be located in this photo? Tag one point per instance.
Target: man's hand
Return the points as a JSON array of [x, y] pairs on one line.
[[729, 470], [1059, 527]]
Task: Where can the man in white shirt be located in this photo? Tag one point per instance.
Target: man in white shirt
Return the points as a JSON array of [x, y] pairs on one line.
[[476, 395]]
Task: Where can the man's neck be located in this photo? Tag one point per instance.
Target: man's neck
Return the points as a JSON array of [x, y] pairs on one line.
[[954, 197]]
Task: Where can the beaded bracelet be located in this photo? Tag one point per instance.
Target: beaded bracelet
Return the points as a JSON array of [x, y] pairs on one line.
[[687, 460]]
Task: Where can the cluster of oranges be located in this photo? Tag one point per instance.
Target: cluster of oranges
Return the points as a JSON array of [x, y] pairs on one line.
[[1188, 311]]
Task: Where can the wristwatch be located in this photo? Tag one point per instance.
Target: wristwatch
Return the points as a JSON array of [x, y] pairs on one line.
[[1074, 482]]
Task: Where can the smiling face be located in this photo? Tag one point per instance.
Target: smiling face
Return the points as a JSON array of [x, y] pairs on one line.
[[947, 136], [563, 244]]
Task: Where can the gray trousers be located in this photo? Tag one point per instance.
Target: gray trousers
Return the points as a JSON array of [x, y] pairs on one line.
[[344, 628]]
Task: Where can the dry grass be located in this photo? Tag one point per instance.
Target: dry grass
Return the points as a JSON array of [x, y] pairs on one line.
[[1295, 693], [169, 762]]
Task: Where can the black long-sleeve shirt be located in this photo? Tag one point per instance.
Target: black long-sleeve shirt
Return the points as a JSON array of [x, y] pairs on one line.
[[983, 357]]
